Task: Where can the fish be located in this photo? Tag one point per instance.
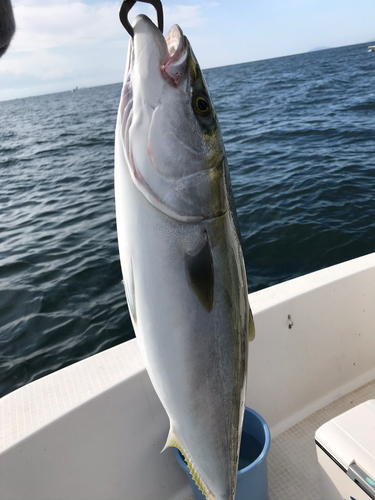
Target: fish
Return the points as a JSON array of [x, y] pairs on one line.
[[180, 251]]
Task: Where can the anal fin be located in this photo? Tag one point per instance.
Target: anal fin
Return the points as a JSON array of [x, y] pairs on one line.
[[173, 441]]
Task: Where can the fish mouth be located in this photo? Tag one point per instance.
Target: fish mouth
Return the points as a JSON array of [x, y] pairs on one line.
[[177, 47], [167, 55]]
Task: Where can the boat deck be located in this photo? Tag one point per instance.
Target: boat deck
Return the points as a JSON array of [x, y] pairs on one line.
[[293, 471]]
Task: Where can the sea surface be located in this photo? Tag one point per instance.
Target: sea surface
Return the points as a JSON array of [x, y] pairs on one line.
[[300, 138]]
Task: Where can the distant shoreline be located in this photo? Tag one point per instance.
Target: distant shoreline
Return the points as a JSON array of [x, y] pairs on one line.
[[72, 85]]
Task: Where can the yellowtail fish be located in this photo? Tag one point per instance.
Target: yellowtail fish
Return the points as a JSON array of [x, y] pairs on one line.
[[180, 252]]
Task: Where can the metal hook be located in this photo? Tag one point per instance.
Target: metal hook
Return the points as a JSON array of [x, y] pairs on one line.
[[128, 4]]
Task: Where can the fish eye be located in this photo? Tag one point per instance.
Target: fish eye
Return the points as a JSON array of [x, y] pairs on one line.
[[202, 106]]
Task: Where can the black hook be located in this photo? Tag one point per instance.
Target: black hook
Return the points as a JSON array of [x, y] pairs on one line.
[[128, 4]]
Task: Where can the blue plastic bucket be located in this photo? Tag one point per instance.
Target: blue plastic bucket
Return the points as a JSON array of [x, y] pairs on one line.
[[252, 482]]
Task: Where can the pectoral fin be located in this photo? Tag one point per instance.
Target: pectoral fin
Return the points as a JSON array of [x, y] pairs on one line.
[[200, 272]]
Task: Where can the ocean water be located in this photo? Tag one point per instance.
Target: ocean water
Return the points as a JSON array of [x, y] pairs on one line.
[[300, 138]]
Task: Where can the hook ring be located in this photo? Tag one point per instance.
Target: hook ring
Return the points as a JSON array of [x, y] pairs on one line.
[[128, 4]]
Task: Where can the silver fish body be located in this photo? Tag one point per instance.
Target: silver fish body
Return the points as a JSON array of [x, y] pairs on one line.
[[180, 253]]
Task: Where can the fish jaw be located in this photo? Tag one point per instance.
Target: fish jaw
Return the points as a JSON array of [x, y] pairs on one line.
[[156, 63], [150, 52], [158, 59]]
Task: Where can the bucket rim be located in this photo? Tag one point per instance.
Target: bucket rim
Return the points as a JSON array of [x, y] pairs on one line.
[[266, 446]]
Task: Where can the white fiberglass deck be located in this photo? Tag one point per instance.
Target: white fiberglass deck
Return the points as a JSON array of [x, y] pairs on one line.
[[94, 430], [292, 462]]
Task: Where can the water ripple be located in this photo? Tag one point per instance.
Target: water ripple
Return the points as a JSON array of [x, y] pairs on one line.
[[299, 135]]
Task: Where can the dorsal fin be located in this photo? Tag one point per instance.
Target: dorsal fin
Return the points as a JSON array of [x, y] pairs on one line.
[[251, 326]]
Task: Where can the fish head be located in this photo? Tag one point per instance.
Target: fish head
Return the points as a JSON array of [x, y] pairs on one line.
[[170, 132]]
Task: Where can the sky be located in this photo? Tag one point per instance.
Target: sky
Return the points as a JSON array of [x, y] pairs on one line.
[[63, 44]]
